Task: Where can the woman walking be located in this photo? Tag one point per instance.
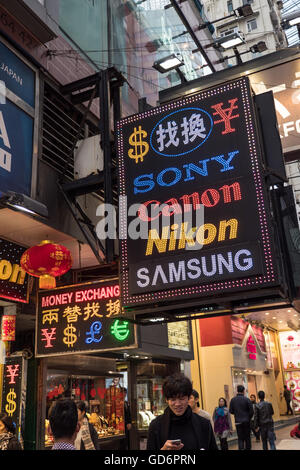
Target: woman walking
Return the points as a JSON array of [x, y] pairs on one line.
[[222, 423], [8, 440]]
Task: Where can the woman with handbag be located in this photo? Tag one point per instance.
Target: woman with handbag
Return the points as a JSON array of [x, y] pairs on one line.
[[222, 423]]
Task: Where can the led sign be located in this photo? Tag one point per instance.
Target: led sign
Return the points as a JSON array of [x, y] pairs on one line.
[[81, 318], [197, 154]]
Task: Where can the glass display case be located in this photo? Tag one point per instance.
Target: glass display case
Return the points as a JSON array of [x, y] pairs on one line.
[[104, 397], [150, 401]]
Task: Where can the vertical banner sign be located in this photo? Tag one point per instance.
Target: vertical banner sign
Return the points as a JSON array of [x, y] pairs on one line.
[[82, 318], [16, 122], [8, 328], [12, 388], [194, 216]]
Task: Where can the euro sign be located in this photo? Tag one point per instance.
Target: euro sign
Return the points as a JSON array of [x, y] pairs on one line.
[[11, 405], [141, 148], [70, 338], [120, 330]]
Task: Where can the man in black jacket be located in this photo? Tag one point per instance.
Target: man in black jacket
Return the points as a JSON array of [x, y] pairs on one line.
[[264, 421], [179, 423], [242, 409]]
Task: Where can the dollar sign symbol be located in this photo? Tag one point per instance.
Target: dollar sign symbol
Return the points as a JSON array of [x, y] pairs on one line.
[[141, 147], [11, 406], [70, 337]]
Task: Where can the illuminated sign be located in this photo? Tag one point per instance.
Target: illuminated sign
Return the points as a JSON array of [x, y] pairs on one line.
[[81, 318], [192, 176], [12, 386], [13, 279], [251, 348], [8, 328]]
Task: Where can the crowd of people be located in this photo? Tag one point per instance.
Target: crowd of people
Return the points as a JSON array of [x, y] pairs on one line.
[[183, 425]]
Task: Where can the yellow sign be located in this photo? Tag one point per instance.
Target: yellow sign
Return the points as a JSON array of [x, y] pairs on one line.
[[141, 148]]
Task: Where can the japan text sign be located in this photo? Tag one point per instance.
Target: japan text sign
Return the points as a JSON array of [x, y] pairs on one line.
[[82, 318], [199, 152]]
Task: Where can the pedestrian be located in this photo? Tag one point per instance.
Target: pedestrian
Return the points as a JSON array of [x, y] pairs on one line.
[[64, 425], [295, 432], [242, 409], [178, 427], [8, 439], [125, 444], [87, 437], [194, 404], [287, 396], [222, 423], [264, 422], [256, 434]]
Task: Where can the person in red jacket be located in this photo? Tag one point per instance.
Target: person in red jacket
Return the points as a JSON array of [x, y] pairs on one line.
[[295, 432]]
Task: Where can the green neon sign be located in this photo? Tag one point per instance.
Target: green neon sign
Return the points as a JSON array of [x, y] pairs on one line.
[[120, 330]]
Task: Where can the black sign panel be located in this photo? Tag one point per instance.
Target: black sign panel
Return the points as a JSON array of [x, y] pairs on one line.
[[12, 388], [194, 217], [13, 279], [82, 318]]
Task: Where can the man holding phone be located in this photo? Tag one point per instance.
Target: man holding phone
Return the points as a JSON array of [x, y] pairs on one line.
[[179, 428]]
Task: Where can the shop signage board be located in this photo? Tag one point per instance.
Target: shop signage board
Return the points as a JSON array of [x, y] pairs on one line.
[[200, 153], [82, 318], [17, 109], [8, 328], [13, 279], [13, 398], [290, 349]]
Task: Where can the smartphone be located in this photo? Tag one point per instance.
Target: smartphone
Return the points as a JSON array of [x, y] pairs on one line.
[[176, 442]]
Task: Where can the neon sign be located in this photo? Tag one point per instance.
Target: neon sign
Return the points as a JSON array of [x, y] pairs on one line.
[[120, 330], [201, 151], [84, 317]]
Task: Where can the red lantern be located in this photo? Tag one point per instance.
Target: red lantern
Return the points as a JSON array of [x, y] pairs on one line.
[[46, 261]]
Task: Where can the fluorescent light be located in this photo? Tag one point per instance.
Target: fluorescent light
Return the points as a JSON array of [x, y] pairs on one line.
[[295, 21], [231, 43], [168, 63]]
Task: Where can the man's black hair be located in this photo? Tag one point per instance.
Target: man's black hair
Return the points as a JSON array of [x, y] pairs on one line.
[[8, 423], [177, 385], [63, 418], [261, 395], [240, 388], [81, 406]]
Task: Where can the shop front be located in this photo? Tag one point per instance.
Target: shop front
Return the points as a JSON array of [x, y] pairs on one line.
[[233, 352], [74, 326], [89, 352], [290, 354]]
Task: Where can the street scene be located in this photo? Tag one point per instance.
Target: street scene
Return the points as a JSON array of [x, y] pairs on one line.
[[149, 228]]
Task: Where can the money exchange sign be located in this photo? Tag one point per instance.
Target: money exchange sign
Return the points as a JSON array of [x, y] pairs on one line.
[[191, 173], [12, 388], [82, 318]]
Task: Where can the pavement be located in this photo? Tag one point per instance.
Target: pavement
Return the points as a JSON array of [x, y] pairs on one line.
[[282, 427]]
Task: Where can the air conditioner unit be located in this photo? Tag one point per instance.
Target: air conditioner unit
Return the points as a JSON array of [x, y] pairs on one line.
[[88, 157]]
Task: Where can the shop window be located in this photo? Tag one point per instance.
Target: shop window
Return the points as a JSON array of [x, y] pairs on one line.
[[103, 395], [150, 401]]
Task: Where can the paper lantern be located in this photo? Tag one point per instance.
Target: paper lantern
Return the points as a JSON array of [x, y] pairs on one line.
[[46, 261]]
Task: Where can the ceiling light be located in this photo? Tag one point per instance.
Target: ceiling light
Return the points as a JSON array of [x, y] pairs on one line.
[[267, 313], [290, 20], [168, 63], [229, 41], [23, 203], [274, 318]]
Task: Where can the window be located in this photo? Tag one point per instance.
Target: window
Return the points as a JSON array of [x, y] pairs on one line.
[[229, 6], [247, 1], [251, 25]]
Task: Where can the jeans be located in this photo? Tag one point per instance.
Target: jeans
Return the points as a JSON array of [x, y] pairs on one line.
[[267, 434], [243, 432], [288, 406]]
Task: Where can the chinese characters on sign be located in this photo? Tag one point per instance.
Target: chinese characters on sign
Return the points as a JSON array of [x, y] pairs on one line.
[[193, 169], [82, 318]]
